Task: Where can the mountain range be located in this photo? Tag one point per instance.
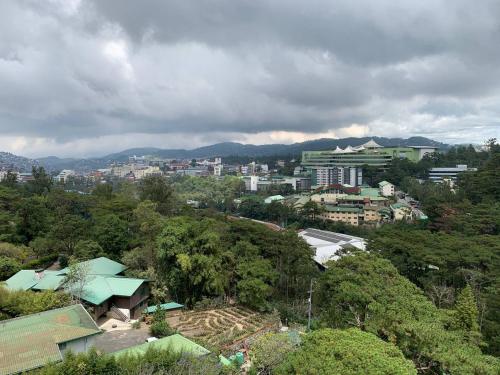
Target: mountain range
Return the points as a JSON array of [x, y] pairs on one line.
[[53, 163]]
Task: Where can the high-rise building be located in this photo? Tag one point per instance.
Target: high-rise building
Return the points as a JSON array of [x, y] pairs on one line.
[[344, 166]]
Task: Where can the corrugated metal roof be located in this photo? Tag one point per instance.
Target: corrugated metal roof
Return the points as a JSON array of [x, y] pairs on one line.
[[100, 266], [164, 306], [100, 288], [31, 341], [177, 343], [102, 282], [22, 280]]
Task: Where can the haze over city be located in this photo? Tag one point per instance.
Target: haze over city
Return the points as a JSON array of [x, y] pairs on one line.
[[84, 78]]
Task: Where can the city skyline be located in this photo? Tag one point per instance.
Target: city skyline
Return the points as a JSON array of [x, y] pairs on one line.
[[82, 78]]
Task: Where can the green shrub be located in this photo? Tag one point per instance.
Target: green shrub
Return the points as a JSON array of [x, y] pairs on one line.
[[161, 329]]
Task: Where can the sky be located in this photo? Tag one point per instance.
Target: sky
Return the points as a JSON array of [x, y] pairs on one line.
[[85, 78]]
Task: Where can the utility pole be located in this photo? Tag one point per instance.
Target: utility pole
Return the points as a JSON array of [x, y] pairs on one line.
[[310, 306]]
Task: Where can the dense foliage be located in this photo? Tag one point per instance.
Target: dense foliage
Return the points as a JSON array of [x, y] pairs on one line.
[[152, 362], [366, 291], [345, 352]]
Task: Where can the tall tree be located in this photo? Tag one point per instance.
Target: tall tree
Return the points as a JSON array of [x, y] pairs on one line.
[[159, 191]]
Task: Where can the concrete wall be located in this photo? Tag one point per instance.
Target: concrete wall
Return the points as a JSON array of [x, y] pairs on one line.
[[78, 346]]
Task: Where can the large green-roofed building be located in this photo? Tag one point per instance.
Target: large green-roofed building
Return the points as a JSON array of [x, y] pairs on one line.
[[104, 289], [31, 341]]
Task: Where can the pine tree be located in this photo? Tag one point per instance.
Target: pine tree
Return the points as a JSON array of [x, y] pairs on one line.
[[466, 314]]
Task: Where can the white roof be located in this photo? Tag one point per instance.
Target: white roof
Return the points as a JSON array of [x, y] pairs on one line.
[[329, 244], [348, 149], [371, 144], [338, 150]]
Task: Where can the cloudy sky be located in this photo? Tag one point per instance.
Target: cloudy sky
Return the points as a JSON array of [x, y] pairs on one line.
[[82, 77]]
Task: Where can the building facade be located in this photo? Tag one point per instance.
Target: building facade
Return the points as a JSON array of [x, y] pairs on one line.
[[344, 166]]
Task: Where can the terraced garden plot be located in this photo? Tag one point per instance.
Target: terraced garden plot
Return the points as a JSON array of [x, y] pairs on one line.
[[220, 326]]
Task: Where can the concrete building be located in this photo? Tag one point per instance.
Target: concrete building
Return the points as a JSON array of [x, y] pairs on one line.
[[344, 166], [32, 341], [386, 189], [401, 211], [329, 245], [448, 173]]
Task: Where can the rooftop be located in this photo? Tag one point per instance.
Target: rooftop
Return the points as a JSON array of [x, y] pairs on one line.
[[103, 280], [100, 266], [330, 208], [328, 244], [31, 341], [164, 306], [177, 343]]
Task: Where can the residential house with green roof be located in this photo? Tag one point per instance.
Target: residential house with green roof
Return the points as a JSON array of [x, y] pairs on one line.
[[105, 288], [32, 341]]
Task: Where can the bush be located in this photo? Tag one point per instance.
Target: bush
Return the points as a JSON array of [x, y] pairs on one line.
[[8, 267], [136, 325], [161, 329]]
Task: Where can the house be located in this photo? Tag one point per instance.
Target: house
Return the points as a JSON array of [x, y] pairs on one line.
[[386, 189], [104, 289], [329, 245], [32, 341]]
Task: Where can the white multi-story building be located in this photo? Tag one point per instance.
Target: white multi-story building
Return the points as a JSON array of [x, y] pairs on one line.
[[218, 170], [386, 189], [64, 174], [448, 173]]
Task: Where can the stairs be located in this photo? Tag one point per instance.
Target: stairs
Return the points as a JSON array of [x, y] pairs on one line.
[[119, 314]]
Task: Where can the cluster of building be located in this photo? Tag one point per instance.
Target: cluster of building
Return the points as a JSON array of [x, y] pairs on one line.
[[32, 341], [344, 166]]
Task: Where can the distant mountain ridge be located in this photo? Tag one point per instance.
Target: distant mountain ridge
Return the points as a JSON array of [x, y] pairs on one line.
[[53, 163]]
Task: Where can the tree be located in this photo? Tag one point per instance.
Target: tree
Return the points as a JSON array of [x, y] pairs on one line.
[[255, 284], [41, 183], [8, 267], [111, 233], [77, 279], [366, 291], [157, 190], [10, 179], [103, 191], [466, 314], [345, 352], [24, 302], [269, 350], [87, 249], [311, 209]]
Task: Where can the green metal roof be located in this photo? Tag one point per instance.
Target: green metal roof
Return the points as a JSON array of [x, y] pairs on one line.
[[100, 288], [102, 282], [31, 341], [370, 192], [176, 343], [100, 266], [50, 280], [330, 208], [164, 306], [384, 183], [23, 280]]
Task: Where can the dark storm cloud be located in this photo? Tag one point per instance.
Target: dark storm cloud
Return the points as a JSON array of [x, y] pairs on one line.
[[74, 70]]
